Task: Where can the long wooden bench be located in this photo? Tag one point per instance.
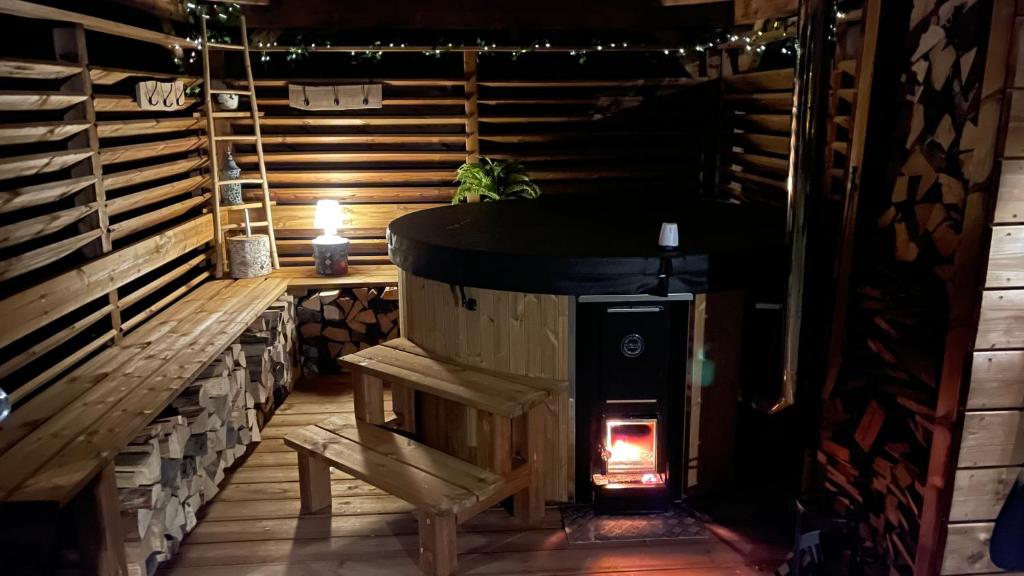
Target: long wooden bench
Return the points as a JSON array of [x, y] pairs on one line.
[[63, 441], [446, 490]]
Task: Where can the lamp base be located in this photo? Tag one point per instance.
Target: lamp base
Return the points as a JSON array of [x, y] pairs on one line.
[[330, 255]]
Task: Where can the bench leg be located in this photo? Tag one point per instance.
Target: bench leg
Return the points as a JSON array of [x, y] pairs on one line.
[[528, 505], [314, 484], [369, 398], [99, 523], [438, 556], [403, 400]]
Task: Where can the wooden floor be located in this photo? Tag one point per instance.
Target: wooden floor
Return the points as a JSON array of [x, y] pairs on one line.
[[253, 526]]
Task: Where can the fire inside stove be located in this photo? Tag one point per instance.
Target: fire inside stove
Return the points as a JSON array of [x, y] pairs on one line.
[[630, 454]]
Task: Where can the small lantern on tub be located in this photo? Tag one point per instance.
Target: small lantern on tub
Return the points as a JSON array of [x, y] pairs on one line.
[[330, 251]]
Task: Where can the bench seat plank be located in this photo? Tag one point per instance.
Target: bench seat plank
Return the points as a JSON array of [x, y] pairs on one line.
[[422, 489], [469, 386], [56, 459], [479, 481]]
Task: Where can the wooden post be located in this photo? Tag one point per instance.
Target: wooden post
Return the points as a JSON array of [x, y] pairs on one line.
[[528, 505], [472, 113], [369, 398], [211, 134], [99, 525], [403, 401], [501, 444], [69, 44], [314, 484], [438, 556]]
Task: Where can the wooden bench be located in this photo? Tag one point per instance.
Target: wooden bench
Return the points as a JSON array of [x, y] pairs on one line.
[[64, 440], [445, 489]]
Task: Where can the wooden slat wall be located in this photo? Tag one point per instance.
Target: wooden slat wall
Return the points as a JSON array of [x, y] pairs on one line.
[[101, 204], [754, 161], [573, 134], [992, 444]]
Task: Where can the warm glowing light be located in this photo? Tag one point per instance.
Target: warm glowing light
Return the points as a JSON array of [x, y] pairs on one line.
[[623, 451]]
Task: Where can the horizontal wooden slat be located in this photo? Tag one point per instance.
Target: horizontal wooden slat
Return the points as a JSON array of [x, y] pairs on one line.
[[588, 83], [39, 226], [343, 157], [146, 150], [323, 121], [356, 247], [400, 177], [263, 102], [28, 196], [593, 135], [1006, 258], [123, 204], [760, 181], [552, 119], [129, 324], [24, 263], [374, 194], [116, 128], [282, 83], [1014, 146], [39, 131], [52, 341], [18, 100], [365, 139], [18, 166], [992, 438], [979, 494], [305, 278], [1010, 204], [295, 217], [1002, 315], [775, 123], [764, 81], [32, 10], [133, 298], [997, 380], [33, 308], [149, 173], [36, 69], [118, 103], [767, 101], [763, 142], [967, 551], [777, 166], [154, 217]]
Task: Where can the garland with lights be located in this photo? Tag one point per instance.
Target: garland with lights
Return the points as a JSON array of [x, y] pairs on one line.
[[227, 15]]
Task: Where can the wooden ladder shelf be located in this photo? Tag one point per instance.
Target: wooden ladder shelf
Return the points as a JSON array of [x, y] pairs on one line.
[[220, 229]]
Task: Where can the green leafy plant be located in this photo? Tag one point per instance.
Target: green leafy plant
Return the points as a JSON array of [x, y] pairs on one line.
[[494, 180]]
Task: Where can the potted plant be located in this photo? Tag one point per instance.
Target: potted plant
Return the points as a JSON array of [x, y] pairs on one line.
[[494, 180]]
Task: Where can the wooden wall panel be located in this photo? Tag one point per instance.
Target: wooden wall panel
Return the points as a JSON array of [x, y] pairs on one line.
[[100, 205], [512, 332], [991, 451]]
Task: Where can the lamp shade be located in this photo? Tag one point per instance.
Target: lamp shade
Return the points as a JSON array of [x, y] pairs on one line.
[[328, 216]]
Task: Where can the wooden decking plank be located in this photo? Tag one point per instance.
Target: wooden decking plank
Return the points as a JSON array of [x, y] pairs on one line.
[[493, 520], [232, 311], [469, 477], [423, 490], [342, 485], [268, 509]]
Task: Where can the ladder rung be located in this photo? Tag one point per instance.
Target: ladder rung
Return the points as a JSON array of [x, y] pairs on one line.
[[220, 46], [262, 224], [234, 114], [241, 181], [236, 138], [229, 91], [249, 205]]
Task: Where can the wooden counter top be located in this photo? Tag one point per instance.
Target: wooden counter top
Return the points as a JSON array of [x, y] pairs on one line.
[[302, 278]]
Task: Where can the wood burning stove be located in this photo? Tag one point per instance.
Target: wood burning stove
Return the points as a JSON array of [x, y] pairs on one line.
[[629, 385]]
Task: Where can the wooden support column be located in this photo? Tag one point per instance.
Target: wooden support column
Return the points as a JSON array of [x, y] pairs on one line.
[[528, 505], [472, 113], [369, 398], [69, 45], [501, 444], [438, 556], [101, 535], [403, 401], [314, 484]]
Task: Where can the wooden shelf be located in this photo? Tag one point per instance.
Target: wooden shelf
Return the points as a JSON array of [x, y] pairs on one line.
[[302, 278], [18, 100]]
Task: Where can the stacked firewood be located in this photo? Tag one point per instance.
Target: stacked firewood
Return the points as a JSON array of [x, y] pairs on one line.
[[333, 323], [177, 464]]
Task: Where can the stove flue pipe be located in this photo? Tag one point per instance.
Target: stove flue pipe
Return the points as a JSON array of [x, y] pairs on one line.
[[806, 163]]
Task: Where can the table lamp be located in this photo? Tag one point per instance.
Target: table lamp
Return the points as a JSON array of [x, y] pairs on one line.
[[330, 251]]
